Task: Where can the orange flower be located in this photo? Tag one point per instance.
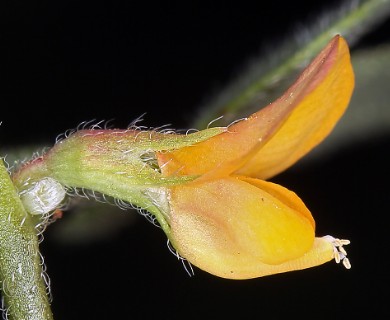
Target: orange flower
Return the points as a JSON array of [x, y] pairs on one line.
[[207, 190], [231, 222]]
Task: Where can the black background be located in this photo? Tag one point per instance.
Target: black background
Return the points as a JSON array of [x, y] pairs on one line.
[[64, 62]]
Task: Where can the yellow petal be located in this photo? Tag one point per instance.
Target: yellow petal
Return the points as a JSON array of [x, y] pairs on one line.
[[323, 103], [240, 229], [284, 195], [286, 129]]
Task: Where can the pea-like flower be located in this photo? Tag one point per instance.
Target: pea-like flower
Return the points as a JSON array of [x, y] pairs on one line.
[[230, 221], [208, 190]]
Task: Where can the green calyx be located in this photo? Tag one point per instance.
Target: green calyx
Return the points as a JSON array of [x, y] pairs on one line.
[[117, 163]]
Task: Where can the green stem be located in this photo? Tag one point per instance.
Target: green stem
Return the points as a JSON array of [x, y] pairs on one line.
[[239, 96], [21, 275]]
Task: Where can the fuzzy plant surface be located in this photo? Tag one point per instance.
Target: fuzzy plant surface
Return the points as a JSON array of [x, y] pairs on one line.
[[208, 190]]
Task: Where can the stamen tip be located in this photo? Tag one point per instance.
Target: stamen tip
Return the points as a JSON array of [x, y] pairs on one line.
[[339, 253]]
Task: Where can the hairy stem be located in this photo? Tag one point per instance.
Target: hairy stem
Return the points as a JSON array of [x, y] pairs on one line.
[[21, 275], [255, 82]]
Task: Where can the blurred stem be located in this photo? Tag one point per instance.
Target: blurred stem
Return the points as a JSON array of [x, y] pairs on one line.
[[351, 24], [23, 288]]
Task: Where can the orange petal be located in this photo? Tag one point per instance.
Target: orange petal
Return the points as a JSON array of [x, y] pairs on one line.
[[321, 105], [235, 229], [286, 129]]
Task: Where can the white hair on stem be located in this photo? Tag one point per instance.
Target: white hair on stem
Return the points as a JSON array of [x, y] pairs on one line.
[[134, 124], [213, 121], [3, 308]]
